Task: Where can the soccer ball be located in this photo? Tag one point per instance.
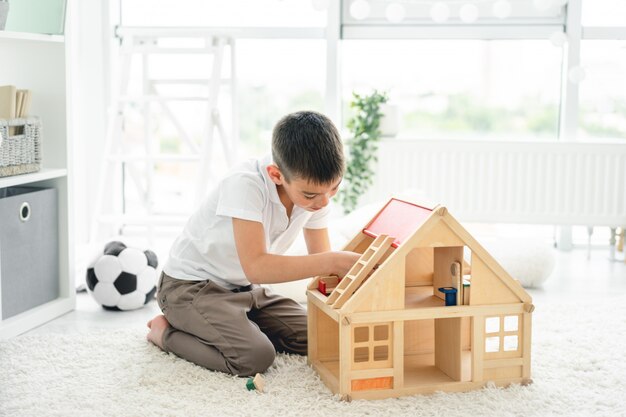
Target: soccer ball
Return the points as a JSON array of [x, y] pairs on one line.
[[123, 278]]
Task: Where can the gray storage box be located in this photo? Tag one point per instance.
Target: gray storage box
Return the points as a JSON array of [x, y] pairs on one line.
[[29, 248]]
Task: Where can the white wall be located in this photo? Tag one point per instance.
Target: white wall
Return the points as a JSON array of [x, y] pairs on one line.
[[89, 100]]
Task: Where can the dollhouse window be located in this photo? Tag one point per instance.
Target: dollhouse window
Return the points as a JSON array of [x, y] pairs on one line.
[[502, 334], [381, 353], [381, 332], [492, 325], [492, 344], [371, 345], [510, 323], [361, 334], [510, 343], [361, 354]]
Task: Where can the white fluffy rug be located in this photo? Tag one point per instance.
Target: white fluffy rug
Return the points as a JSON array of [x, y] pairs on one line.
[[579, 369]]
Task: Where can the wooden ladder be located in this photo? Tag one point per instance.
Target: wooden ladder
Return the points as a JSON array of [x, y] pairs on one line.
[[360, 271]]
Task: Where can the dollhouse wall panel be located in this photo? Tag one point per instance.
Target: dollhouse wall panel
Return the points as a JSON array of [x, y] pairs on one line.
[[495, 374], [486, 287], [419, 336], [385, 293], [440, 236], [327, 336], [363, 244], [466, 335], [448, 347], [419, 267], [444, 257]]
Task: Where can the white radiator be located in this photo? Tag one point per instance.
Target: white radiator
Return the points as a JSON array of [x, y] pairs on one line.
[[510, 182]]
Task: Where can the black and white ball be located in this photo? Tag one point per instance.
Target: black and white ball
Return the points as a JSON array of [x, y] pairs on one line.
[[123, 278]]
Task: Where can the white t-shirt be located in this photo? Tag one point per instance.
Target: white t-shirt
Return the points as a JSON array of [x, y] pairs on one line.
[[206, 248]]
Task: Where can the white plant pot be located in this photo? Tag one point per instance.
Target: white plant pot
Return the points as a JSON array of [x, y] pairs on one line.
[[4, 12], [389, 120]]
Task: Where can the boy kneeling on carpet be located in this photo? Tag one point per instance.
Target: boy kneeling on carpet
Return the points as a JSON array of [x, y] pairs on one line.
[[215, 313]]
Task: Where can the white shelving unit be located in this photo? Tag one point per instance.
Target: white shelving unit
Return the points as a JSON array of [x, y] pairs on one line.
[[32, 36], [39, 63]]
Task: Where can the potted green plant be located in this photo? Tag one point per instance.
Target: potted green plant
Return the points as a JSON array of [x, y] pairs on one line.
[[364, 126]]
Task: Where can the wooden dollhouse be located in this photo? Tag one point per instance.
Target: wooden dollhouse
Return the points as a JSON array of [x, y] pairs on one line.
[[424, 309]]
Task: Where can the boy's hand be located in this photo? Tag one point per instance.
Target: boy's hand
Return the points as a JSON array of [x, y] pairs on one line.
[[343, 261], [261, 267]]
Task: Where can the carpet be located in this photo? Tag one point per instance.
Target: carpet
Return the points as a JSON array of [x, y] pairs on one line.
[[579, 369]]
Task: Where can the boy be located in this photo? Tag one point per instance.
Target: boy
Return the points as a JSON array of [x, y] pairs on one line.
[[215, 313]]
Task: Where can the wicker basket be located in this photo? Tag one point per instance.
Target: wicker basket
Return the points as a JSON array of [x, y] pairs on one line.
[[21, 152]]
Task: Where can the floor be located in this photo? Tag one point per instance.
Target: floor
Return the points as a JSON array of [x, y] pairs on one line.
[[574, 278], [577, 278]]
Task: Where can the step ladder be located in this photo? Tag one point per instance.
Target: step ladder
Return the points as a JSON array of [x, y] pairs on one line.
[[143, 43], [360, 271]]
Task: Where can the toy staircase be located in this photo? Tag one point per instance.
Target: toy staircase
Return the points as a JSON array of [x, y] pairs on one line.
[[360, 271]]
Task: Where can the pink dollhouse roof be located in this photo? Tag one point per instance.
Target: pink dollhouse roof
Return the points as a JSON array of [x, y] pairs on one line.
[[399, 219]]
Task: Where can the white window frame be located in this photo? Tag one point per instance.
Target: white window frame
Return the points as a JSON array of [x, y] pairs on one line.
[[594, 33], [541, 28]]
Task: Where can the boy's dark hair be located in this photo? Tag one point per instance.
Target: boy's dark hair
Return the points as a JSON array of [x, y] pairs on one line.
[[307, 145]]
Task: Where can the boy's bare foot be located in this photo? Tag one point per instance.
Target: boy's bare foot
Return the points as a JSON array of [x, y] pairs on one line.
[[157, 326]]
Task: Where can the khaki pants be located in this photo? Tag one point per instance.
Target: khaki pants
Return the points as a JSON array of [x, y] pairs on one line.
[[236, 331]]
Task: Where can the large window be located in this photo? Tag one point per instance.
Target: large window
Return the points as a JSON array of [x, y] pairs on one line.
[[273, 78], [277, 57], [485, 74], [276, 77], [380, 12], [604, 13], [603, 91], [602, 98], [479, 73], [461, 88], [222, 13]]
